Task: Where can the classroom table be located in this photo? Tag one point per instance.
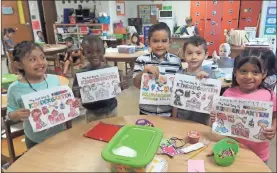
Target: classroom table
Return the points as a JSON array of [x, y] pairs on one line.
[[123, 57], [51, 51], [70, 151], [63, 81]]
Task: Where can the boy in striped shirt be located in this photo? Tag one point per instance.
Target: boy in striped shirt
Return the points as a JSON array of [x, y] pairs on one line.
[[159, 60]]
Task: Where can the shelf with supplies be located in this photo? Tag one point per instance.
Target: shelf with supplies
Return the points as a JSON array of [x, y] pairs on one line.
[[76, 31]]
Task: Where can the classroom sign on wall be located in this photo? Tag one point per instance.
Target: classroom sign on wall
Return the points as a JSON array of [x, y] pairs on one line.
[[156, 91], [99, 84], [193, 94], [242, 118], [270, 22], [51, 107]]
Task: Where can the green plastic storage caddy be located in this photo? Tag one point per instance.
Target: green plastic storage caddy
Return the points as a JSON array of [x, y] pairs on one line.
[[143, 141]]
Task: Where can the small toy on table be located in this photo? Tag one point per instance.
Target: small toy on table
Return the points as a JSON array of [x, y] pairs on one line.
[[144, 122], [193, 137]]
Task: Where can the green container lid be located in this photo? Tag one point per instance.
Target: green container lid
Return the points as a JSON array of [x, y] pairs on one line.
[[144, 140], [167, 7], [7, 79]]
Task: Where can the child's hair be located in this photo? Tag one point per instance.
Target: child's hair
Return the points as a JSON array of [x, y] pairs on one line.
[[253, 57], [38, 32], [22, 48], [135, 35], [226, 46], [90, 39], [157, 27], [8, 30], [188, 19], [69, 39], [268, 58], [196, 41]]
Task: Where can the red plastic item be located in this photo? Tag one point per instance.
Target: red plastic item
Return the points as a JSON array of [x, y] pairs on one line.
[[102, 132], [193, 137]]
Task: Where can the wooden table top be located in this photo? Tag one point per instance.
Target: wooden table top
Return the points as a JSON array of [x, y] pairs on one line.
[[63, 81], [123, 56], [70, 151], [53, 47]]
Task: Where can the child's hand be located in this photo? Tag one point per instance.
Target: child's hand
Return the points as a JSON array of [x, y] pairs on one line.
[[124, 85], [212, 116], [214, 55], [269, 133], [21, 114], [202, 75], [152, 69]]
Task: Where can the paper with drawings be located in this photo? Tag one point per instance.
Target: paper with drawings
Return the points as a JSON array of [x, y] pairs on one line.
[[193, 94], [156, 91], [242, 118], [99, 84], [50, 107]]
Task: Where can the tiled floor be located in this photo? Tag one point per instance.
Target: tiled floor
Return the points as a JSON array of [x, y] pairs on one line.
[[128, 106]]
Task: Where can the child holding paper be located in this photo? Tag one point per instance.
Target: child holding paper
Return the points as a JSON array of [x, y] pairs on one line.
[[195, 52], [32, 64], [247, 83], [93, 50], [159, 60]]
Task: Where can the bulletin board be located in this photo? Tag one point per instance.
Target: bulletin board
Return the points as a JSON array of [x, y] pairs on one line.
[[149, 13]]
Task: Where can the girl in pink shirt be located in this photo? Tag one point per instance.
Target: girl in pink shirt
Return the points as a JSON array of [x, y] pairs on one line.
[[247, 83]]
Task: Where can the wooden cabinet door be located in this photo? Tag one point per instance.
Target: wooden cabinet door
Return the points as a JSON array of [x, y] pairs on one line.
[[249, 13], [197, 12], [230, 17], [213, 25], [23, 31]]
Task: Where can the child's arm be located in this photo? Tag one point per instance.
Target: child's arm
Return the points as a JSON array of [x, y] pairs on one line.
[[174, 112], [82, 60], [141, 45], [14, 111]]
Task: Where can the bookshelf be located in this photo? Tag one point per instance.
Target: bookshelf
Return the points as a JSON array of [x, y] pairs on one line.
[[76, 31]]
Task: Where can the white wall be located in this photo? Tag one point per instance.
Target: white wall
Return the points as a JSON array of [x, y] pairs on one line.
[[33, 8], [181, 9]]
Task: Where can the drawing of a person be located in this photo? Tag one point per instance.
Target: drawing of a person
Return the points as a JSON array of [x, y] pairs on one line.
[[86, 90], [36, 113], [116, 89], [220, 123], [145, 83], [263, 124], [210, 104], [178, 94], [72, 112]]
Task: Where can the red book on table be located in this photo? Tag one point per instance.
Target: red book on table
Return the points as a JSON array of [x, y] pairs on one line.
[[102, 132]]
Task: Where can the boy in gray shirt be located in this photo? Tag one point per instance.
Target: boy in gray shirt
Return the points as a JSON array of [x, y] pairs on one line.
[[195, 52]]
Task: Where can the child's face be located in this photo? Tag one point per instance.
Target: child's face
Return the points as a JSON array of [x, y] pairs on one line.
[[94, 53], [134, 39], [69, 43], [249, 77], [159, 42], [10, 34], [223, 52], [194, 56], [34, 64]]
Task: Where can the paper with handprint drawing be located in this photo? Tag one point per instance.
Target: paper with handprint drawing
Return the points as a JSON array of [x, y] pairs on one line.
[[99, 84], [51, 107], [193, 94], [156, 91], [242, 118]]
